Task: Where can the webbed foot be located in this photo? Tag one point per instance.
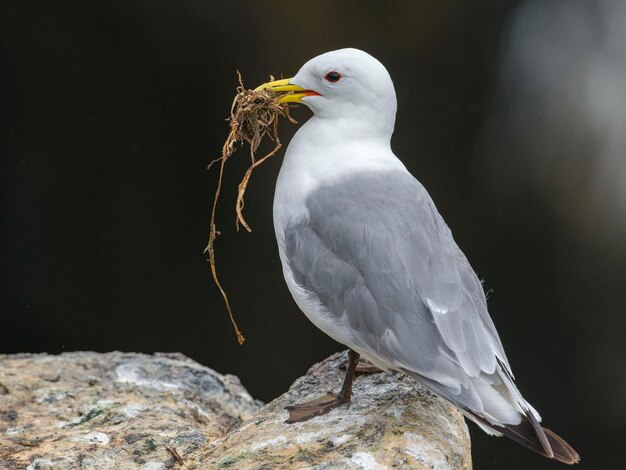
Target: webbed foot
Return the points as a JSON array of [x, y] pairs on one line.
[[330, 401], [309, 409]]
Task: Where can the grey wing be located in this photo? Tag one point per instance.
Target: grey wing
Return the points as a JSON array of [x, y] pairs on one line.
[[379, 257]]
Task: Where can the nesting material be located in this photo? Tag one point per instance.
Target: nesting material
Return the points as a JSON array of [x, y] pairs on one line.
[[253, 117]]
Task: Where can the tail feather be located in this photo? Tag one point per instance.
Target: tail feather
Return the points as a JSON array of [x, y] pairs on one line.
[[531, 435]]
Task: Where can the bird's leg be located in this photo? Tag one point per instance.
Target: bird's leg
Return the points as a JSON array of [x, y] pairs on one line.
[[346, 389], [319, 406]]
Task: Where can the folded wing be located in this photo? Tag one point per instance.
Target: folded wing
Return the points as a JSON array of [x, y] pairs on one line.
[[379, 258]]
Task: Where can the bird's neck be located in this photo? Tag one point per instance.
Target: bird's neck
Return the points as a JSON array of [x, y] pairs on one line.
[[348, 130], [323, 151], [336, 145]]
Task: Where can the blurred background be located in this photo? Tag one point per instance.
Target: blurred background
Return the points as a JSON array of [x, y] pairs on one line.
[[511, 113]]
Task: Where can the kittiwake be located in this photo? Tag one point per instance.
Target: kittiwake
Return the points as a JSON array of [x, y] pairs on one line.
[[371, 262]]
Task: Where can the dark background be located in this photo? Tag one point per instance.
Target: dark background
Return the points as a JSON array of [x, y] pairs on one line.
[[510, 113]]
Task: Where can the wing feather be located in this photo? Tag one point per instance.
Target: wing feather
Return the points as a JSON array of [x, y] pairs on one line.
[[379, 257]]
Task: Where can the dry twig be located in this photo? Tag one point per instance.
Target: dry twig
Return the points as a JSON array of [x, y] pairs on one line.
[[253, 116], [176, 455]]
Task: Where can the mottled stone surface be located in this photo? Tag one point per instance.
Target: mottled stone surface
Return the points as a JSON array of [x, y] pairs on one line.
[[134, 411], [113, 411], [391, 423]]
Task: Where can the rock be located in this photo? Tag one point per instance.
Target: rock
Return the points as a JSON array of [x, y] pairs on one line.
[[134, 411], [391, 423], [113, 411]]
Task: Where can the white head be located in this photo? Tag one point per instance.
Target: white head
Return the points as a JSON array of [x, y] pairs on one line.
[[347, 84]]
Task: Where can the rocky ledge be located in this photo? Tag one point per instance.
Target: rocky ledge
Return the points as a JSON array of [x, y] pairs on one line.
[[86, 410]]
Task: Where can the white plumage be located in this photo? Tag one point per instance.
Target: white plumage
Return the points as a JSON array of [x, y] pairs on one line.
[[370, 261]]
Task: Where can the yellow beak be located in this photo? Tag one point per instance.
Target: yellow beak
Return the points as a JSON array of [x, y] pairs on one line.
[[296, 93]]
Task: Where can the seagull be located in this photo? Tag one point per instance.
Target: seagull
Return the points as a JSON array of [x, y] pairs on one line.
[[371, 263]]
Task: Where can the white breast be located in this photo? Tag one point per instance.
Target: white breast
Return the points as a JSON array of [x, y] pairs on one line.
[[316, 157]]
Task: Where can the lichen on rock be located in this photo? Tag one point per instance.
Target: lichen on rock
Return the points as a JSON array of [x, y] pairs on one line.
[[114, 410], [134, 411], [391, 423]]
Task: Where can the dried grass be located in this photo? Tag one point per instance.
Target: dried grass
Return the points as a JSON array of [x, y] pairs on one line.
[[253, 116]]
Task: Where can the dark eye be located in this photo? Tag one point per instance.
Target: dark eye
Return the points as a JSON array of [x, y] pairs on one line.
[[332, 77]]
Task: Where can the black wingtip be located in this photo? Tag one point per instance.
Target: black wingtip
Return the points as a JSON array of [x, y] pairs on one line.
[[536, 438], [540, 433], [563, 452]]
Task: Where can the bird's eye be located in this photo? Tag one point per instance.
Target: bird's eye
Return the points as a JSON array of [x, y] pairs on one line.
[[332, 77]]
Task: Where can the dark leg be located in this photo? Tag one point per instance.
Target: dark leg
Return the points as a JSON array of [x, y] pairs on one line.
[[322, 405], [346, 389]]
